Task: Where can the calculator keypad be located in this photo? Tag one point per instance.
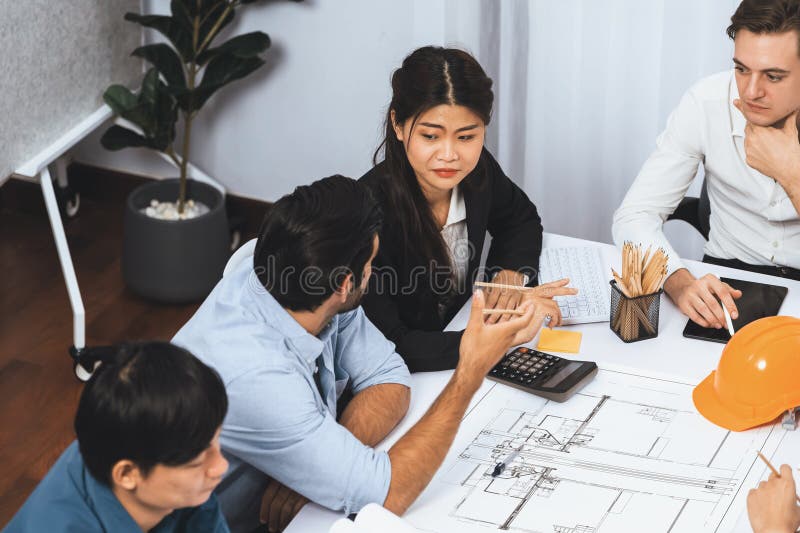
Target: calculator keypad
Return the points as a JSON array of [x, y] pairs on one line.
[[526, 366]]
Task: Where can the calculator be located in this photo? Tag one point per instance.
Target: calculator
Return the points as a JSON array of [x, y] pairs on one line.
[[543, 374]]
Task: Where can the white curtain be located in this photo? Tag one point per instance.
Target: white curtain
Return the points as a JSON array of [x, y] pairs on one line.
[[583, 88]]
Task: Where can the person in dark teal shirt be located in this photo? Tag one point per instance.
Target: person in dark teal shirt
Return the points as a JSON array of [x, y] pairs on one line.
[[147, 455]]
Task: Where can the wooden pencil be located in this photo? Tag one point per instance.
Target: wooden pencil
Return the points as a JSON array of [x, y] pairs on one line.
[[643, 274], [502, 286], [774, 471], [503, 311]]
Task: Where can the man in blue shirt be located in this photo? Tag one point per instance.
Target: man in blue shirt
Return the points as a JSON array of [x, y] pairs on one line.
[[285, 332], [147, 457]]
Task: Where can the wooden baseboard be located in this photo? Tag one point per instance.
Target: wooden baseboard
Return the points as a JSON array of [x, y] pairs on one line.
[[111, 186]]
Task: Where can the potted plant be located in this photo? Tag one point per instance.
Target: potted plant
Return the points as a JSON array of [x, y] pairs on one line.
[[176, 237]]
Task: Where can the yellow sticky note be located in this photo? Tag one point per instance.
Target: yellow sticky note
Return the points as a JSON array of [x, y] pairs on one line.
[[559, 340]]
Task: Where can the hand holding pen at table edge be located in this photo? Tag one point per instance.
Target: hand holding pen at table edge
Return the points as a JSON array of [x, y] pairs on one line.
[[699, 298]]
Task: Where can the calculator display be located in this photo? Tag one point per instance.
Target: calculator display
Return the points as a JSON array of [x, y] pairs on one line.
[[559, 376]]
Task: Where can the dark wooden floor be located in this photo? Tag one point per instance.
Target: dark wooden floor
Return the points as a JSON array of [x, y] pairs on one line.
[[38, 390]]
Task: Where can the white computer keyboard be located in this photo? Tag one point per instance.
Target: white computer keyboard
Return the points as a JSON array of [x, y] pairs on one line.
[[583, 265]]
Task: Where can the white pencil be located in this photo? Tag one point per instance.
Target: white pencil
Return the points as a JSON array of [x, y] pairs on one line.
[[728, 320]]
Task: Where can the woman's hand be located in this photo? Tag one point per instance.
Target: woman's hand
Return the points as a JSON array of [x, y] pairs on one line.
[[553, 288], [497, 298], [543, 294], [544, 307]]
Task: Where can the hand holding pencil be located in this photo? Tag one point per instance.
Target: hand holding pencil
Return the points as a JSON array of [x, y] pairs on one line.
[[772, 507], [532, 294], [702, 299]]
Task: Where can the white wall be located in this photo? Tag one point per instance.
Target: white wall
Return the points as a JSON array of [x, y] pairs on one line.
[[317, 107], [597, 81], [582, 90]]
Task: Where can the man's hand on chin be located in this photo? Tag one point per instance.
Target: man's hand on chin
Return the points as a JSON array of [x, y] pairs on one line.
[[775, 152]]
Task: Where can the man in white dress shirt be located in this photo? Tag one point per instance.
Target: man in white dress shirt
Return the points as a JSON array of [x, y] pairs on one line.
[[742, 126]]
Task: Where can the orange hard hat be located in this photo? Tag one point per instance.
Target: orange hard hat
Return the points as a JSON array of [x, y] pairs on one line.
[[758, 376]]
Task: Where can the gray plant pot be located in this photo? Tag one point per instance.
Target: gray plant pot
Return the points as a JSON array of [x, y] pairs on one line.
[[174, 261]]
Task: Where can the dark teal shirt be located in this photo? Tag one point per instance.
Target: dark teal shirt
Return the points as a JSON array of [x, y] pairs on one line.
[[70, 500]]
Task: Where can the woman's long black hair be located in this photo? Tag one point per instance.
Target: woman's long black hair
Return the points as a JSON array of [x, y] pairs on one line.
[[429, 76]]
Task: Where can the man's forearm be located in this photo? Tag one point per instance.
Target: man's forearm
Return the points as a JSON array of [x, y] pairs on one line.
[[677, 281], [419, 453], [375, 411]]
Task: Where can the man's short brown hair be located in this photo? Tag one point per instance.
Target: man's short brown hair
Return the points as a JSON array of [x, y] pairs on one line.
[[766, 16]]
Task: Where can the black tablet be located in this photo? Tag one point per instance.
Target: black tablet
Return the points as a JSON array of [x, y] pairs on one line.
[[758, 300]]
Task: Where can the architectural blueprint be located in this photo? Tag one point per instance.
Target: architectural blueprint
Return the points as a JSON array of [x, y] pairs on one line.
[[628, 453]]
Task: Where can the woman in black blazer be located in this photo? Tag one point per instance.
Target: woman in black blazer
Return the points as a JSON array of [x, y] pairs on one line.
[[441, 191]]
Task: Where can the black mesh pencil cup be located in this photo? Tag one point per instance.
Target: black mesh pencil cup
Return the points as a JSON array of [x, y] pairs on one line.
[[634, 319]]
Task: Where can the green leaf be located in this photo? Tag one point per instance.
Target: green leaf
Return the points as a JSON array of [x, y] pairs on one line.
[[143, 116], [154, 111], [119, 98], [245, 45], [166, 112], [164, 58], [117, 138], [222, 70], [149, 94], [183, 18], [182, 96], [167, 26]]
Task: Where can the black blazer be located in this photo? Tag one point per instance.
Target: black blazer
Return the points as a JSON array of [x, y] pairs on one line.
[[412, 321]]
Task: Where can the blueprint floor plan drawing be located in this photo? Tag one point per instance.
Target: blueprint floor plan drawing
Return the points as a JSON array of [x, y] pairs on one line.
[[628, 453]]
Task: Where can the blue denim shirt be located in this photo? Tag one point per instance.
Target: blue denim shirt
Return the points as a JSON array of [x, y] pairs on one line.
[[69, 499], [278, 423]]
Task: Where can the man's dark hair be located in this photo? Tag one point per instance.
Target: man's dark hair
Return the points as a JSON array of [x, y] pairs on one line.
[[151, 403], [312, 238], [766, 16]]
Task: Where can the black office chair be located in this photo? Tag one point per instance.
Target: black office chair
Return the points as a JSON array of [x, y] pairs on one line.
[[695, 211]]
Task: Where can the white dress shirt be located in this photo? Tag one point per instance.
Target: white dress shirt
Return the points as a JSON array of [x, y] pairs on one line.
[[454, 233], [752, 218]]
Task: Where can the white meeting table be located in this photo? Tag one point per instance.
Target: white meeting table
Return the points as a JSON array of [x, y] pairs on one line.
[[669, 355]]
